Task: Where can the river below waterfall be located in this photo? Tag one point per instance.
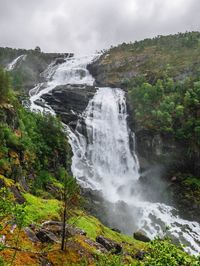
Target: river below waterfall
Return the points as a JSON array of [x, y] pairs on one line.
[[105, 160]]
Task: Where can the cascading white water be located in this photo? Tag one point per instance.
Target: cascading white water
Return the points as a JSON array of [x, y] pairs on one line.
[[105, 151], [72, 71], [103, 160], [13, 64]]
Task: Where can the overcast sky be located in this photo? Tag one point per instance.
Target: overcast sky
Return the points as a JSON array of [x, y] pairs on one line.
[[83, 26]]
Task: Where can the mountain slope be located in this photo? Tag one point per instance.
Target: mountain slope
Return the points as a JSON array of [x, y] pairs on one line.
[[180, 52]]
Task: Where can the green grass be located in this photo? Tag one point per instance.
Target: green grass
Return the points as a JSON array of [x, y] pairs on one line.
[[38, 210], [93, 227]]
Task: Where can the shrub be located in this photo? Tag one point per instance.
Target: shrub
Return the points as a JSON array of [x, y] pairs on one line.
[[163, 252]]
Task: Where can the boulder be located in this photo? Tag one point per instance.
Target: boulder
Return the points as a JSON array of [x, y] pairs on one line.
[[71, 231], [141, 236], [46, 236], [109, 244], [96, 245], [56, 228], [31, 235]]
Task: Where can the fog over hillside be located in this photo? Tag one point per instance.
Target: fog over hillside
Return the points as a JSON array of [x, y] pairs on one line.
[[61, 26]]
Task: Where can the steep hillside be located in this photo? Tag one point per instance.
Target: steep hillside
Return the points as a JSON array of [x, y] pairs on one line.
[[35, 184], [150, 57], [161, 77]]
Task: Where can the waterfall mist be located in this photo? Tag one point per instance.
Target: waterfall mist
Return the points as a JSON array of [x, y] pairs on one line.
[[106, 165], [104, 161]]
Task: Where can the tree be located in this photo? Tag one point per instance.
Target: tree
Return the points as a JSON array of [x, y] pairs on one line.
[[71, 197], [38, 49], [4, 86]]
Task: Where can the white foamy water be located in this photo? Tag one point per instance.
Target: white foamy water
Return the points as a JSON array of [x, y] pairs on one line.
[[103, 159], [14, 63], [73, 71], [106, 128]]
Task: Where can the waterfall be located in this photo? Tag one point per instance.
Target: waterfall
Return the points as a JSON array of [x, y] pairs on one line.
[[14, 63], [104, 160], [72, 71], [104, 151]]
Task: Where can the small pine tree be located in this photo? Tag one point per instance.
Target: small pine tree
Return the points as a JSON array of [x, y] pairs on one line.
[[71, 198]]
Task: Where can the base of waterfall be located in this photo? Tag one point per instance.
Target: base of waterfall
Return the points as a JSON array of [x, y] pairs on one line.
[[104, 154]]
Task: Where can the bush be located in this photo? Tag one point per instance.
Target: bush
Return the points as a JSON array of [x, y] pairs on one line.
[[163, 252], [167, 106]]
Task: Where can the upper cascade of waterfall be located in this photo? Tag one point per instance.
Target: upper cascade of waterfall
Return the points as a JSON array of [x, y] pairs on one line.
[[13, 64], [72, 71]]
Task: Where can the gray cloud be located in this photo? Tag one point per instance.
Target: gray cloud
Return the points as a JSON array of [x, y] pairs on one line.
[[84, 26]]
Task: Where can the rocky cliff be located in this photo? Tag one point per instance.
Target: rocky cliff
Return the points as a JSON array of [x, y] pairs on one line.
[[69, 101], [152, 60]]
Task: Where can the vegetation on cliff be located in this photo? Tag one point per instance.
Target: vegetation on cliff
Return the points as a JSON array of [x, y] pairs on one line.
[[149, 58], [34, 157], [168, 107], [161, 76], [33, 145]]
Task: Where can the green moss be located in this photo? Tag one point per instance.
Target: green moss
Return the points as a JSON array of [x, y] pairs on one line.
[[87, 223], [38, 209], [93, 227]]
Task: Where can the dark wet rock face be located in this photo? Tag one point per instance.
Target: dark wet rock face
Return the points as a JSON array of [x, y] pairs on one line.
[[69, 101]]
